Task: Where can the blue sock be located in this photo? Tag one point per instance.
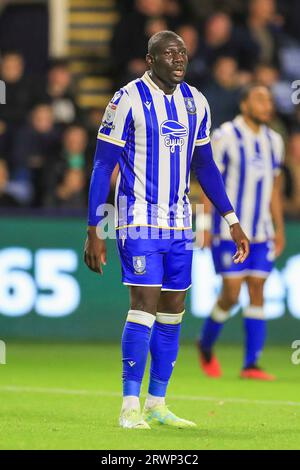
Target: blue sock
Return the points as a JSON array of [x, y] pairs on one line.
[[210, 333], [211, 329], [135, 348], [256, 331], [164, 346]]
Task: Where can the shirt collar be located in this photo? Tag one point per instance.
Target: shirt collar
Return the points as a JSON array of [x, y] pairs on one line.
[[148, 80], [240, 121]]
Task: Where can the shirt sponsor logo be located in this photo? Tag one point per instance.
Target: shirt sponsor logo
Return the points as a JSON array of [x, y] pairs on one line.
[[173, 131]]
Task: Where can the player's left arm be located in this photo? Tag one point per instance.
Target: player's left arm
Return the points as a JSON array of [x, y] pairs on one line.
[[277, 215], [211, 181], [276, 206]]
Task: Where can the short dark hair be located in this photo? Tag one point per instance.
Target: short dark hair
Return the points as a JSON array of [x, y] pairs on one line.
[[10, 52], [246, 90], [158, 37], [58, 63]]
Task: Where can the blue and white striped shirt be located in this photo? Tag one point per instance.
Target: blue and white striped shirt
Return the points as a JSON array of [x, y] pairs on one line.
[[158, 134], [248, 162]]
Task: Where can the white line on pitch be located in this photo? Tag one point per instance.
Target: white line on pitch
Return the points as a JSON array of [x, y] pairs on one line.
[[220, 401]]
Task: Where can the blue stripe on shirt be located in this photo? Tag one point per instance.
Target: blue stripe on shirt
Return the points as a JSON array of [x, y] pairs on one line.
[[274, 163], [177, 159], [202, 129], [173, 160], [152, 163], [217, 216], [258, 194], [126, 187], [186, 92], [238, 206]]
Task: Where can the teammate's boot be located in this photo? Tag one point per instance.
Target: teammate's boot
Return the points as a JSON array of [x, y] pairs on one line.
[[256, 373], [160, 414], [209, 363], [132, 419]]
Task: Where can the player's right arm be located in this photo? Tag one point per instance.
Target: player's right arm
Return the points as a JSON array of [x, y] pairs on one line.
[[204, 221], [111, 141]]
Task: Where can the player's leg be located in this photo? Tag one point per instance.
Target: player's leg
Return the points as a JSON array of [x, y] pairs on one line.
[[233, 276], [255, 330], [214, 325], [164, 343], [142, 271], [261, 264], [135, 348], [164, 347]]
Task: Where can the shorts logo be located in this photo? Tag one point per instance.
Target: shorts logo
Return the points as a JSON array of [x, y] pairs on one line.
[[173, 131], [190, 105], [227, 259], [139, 264]]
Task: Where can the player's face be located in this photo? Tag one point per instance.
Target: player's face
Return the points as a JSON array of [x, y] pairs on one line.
[[259, 105], [170, 61]]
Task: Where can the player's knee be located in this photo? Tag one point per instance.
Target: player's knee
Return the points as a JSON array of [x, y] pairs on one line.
[[256, 289], [144, 306], [174, 303], [229, 299]]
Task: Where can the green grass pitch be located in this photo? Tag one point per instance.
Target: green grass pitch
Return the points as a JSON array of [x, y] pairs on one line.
[[67, 396]]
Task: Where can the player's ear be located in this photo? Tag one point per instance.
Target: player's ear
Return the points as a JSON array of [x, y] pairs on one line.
[[243, 106], [149, 59]]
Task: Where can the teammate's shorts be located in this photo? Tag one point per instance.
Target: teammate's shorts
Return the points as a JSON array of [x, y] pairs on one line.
[[259, 263], [163, 259]]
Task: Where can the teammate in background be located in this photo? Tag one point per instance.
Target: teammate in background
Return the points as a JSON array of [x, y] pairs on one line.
[[153, 127], [249, 155]]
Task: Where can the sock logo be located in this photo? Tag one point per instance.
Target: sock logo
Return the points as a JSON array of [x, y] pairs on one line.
[[131, 363], [173, 363]]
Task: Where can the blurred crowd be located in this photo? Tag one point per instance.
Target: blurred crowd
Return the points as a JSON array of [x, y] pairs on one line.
[[47, 142]]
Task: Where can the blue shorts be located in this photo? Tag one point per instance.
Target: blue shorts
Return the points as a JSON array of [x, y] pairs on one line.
[[259, 263], [165, 261]]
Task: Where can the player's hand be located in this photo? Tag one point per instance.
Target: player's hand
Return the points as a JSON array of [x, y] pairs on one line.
[[94, 251], [242, 243], [279, 242]]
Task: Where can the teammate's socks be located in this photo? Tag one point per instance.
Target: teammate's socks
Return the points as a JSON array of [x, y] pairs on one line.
[[135, 348], [255, 334], [164, 346], [212, 328]]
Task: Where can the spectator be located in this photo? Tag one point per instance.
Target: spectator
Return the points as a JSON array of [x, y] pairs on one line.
[[263, 25], [7, 198], [196, 68], [292, 205], [36, 144], [222, 38], [92, 121], [269, 76], [66, 184], [132, 35], [222, 92], [19, 99], [60, 94]]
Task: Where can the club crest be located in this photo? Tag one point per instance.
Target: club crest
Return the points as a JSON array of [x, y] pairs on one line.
[[190, 105], [139, 264]]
